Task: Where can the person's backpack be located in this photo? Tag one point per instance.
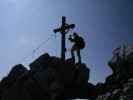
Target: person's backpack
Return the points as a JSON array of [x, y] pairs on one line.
[[81, 42]]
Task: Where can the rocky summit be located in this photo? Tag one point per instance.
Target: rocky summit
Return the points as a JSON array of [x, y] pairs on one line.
[[49, 78]]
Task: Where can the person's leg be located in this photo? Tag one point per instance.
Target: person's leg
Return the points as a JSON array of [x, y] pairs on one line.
[[72, 53], [79, 56]]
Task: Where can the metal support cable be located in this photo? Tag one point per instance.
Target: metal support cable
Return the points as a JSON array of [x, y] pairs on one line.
[[37, 48]]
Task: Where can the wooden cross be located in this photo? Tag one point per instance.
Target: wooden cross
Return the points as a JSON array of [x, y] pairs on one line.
[[63, 29]]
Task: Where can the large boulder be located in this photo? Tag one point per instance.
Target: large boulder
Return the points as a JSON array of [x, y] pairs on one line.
[[60, 76]]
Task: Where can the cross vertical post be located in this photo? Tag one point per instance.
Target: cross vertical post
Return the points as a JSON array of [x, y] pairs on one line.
[[64, 30]]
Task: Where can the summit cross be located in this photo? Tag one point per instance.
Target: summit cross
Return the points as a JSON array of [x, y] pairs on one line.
[[64, 29]]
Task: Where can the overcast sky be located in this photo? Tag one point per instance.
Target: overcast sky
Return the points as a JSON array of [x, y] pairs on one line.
[[24, 24]]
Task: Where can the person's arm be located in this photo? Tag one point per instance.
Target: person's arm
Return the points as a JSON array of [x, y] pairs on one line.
[[71, 39]]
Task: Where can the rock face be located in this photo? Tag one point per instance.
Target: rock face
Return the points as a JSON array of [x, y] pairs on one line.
[[124, 93], [122, 63], [119, 85], [49, 78]]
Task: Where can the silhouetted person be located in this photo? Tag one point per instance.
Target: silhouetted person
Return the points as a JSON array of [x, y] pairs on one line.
[[78, 45]]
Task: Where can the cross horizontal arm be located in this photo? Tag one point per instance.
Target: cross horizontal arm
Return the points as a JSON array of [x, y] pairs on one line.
[[66, 27], [57, 30]]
